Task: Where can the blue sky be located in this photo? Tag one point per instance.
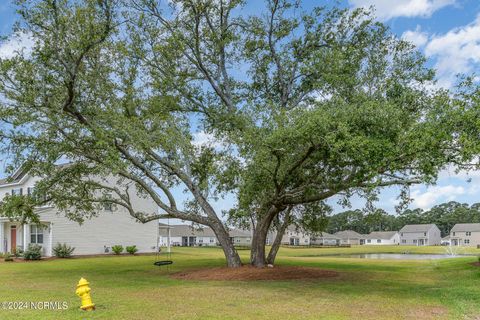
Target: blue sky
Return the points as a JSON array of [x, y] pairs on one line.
[[447, 31]]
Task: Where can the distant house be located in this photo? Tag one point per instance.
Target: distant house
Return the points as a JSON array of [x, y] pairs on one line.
[[383, 238], [187, 236], [295, 237], [420, 235], [325, 239], [240, 237], [465, 234], [350, 237]]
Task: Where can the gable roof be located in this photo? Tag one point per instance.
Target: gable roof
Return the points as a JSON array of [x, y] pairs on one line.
[[22, 172], [466, 227], [184, 230], [385, 235], [239, 233], [417, 227], [326, 235], [349, 234]]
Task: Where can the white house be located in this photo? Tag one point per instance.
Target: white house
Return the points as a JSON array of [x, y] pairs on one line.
[[350, 237], [382, 238], [295, 237], [420, 235], [113, 226], [465, 234], [188, 236], [325, 239]]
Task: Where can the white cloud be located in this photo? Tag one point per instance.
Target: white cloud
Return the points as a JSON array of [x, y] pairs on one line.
[[387, 9], [417, 36], [434, 194], [457, 51], [15, 44]]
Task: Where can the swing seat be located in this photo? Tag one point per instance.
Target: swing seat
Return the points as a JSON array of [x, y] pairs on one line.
[[162, 263]]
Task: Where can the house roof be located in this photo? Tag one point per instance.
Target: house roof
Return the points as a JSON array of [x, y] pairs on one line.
[[386, 235], [349, 234], [184, 230], [466, 227], [21, 172], [240, 233], [417, 227], [326, 235]]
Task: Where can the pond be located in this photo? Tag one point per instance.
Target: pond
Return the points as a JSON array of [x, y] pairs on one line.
[[397, 256]]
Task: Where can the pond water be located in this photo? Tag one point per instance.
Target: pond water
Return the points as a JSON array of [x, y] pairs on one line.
[[399, 256]]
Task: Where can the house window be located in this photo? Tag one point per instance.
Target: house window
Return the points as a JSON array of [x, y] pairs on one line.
[[466, 241], [369, 241], [211, 240], [414, 240], [424, 234], [454, 233], [17, 192], [237, 240], [468, 233], [200, 240], [36, 234], [404, 241], [379, 241], [401, 234]]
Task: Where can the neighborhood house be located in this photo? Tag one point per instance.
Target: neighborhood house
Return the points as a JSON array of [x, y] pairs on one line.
[[350, 237], [465, 234], [113, 226], [295, 237], [325, 239], [383, 238], [188, 236], [420, 235]]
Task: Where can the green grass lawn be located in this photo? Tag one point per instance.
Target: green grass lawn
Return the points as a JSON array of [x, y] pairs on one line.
[[130, 287]]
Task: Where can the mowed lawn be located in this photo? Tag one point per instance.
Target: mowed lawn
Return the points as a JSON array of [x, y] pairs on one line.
[[130, 287]]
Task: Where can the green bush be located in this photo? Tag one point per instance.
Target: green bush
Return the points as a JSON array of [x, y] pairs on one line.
[[132, 249], [117, 249], [17, 252], [33, 252], [8, 257], [63, 250]]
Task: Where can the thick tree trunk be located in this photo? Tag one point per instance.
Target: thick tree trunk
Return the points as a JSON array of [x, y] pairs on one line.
[[233, 259], [257, 254], [278, 238]]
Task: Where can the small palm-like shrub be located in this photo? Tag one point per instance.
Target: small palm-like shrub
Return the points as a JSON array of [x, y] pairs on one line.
[[132, 249], [33, 252], [117, 249], [63, 250]]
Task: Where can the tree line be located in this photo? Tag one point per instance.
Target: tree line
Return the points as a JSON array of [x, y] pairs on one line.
[[444, 215]]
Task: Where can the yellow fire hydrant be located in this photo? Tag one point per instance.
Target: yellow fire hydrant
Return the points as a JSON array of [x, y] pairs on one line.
[[83, 291]]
